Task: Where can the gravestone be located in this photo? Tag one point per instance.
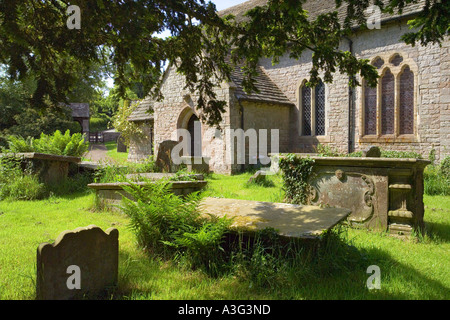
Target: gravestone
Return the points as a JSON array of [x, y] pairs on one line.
[[121, 146], [82, 263], [372, 152], [258, 177], [164, 157]]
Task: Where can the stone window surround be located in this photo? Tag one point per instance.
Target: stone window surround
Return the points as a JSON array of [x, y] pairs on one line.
[[313, 138], [397, 72]]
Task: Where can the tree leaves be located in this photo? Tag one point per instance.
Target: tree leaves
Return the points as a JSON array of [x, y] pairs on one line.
[[34, 39]]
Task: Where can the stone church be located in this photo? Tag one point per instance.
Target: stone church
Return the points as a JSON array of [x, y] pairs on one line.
[[407, 111]]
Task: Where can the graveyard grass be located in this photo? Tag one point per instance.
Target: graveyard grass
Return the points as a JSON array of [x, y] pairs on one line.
[[119, 157], [410, 269]]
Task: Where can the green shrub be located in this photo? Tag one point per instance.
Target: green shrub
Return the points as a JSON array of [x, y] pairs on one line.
[[445, 168], [296, 171], [18, 144], [158, 216], [173, 226], [19, 184], [61, 144], [437, 179], [99, 122], [400, 154], [203, 245], [327, 151], [57, 143]]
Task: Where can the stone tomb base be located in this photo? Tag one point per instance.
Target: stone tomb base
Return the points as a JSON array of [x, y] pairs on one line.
[[110, 194]]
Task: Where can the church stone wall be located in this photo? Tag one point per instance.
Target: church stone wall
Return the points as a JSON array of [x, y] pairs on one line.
[[432, 75]]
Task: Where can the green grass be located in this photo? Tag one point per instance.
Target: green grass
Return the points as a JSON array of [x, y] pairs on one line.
[[410, 269], [236, 187], [119, 157]]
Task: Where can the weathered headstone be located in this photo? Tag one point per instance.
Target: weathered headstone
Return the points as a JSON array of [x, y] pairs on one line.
[[258, 177], [82, 263], [164, 157], [372, 152], [121, 146]]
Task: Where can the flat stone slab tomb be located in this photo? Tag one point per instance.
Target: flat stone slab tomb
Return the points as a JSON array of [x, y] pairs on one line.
[[291, 221]]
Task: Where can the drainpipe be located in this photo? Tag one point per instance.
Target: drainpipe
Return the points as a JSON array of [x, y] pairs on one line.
[[241, 111], [351, 108]]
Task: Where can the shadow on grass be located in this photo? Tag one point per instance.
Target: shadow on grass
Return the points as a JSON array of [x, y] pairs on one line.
[[333, 270], [437, 232]]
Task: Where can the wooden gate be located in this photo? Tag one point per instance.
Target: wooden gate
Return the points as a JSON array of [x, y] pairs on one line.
[[96, 137]]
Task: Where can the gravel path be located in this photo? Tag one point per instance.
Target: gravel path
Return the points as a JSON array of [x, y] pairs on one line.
[[97, 153]]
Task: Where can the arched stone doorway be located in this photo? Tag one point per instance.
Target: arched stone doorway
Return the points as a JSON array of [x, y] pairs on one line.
[[195, 132], [189, 121]]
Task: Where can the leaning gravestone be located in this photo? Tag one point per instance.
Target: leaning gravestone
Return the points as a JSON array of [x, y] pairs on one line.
[[258, 177], [372, 152], [82, 263], [164, 158], [121, 146]]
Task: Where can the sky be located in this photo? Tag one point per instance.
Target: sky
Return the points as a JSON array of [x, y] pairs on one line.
[[220, 5], [224, 4]]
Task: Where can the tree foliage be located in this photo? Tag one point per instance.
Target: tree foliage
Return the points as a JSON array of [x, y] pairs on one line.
[[34, 39]]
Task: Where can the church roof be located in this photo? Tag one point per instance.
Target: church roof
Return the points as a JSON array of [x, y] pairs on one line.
[[315, 8], [80, 110], [268, 91], [143, 110]]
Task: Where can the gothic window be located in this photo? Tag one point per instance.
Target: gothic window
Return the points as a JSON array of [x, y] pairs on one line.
[[313, 110], [378, 63], [388, 110], [306, 110], [396, 60], [407, 102], [387, 103], [370, 110], [320, 109]]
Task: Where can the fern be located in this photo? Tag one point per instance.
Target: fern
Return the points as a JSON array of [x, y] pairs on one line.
[[57, 143], [20, 145], [171, 225]]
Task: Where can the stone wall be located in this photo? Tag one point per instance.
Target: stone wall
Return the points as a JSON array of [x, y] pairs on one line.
[[174, 112], [343, 129], [141, 147], [432, 100], [432, 76], [259, 115], [290, 75]]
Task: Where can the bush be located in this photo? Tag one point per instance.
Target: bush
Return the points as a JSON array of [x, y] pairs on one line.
[[172, 226], [327, 151], [158, 216], [18, 184], [437, 179], [18, 144], [62, 144], [400, 154], [296, 172], [445, 168], [117, 173], [57, 143], [99, 122]]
